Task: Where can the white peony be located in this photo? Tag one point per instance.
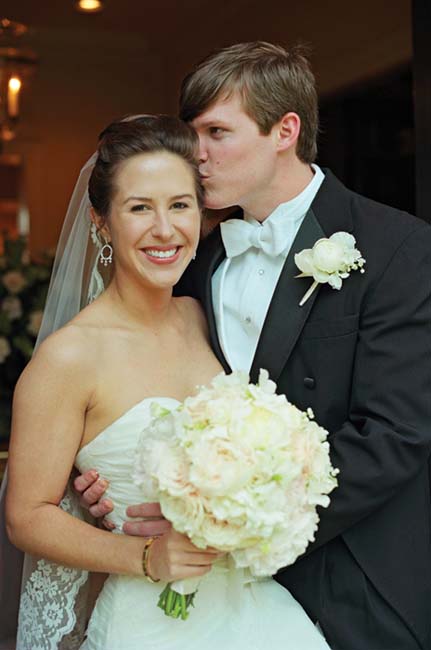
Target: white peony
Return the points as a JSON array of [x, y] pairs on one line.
[[219, 466], [35, 322], [188, 514], [14, 281], [12, 306], [161, 466]]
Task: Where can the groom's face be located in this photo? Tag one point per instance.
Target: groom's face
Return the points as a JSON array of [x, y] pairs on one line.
[[236, 160]]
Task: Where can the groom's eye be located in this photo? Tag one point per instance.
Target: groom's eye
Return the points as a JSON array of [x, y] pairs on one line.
[[216, 130]]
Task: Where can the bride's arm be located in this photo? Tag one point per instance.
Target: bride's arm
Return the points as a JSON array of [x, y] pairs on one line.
[[50, 403]]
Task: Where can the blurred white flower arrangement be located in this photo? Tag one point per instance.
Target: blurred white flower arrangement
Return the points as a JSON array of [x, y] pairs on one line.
[[23, 288]]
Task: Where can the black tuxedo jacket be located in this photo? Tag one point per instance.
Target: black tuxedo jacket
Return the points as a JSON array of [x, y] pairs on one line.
[[360, 358]]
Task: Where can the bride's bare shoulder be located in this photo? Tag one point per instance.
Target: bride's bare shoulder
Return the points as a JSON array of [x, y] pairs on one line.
[[69, 350]]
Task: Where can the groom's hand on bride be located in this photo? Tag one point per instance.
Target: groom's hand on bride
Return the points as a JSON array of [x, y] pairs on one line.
[[149, 519]]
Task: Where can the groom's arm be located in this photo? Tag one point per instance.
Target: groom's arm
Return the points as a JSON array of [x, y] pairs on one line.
[[149, 520], [386, 441]]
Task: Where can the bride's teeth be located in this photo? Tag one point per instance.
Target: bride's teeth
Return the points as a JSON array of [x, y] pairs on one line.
[[156, 253]]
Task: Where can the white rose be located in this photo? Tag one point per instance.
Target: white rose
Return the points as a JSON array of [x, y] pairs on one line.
[[328, 256], [330, 260], [5, 349], [35, 322], [12, 307]]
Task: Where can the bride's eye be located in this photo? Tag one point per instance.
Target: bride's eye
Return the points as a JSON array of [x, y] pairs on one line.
[[140, 207], [180, 205]]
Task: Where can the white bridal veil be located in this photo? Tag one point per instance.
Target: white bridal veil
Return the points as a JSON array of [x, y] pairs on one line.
[[53, 598]]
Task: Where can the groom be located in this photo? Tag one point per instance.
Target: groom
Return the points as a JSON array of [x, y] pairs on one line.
[[358, 356]]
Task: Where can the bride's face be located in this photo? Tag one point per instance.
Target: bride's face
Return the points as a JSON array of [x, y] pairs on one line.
[[154, 222]]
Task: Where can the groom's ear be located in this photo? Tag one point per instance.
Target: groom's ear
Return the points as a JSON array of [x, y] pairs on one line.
[[286, 131], [101, 224]]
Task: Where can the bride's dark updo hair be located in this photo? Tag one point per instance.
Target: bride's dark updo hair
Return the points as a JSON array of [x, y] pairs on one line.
[[128, 137]]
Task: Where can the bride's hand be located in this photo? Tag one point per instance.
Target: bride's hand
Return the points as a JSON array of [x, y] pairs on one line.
[[91, 489], [174, 557]]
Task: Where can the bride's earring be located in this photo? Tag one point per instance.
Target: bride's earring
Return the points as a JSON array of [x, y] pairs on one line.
[[106, 254]]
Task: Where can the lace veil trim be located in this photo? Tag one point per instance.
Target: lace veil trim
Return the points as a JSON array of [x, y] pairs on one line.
[[53, 605]]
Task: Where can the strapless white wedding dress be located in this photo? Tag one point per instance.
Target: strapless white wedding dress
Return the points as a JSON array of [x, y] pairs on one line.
[[229, 614]]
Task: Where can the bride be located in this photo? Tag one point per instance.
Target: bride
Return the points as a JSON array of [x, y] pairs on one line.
[[85, 399]]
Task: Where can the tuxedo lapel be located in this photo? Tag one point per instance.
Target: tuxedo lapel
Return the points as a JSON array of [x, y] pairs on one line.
[[329, 213], [215, 255], [285, 318]]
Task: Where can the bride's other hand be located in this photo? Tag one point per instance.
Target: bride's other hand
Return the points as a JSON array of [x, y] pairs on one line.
[[151, 521], [174, 557], [91, 489]]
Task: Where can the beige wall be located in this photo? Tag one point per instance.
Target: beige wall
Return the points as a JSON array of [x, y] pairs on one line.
[[81, 84], [85, 79]]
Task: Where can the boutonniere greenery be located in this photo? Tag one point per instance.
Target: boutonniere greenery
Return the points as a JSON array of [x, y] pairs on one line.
[[329, 261]]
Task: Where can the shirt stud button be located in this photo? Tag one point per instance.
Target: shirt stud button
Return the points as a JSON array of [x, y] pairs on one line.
[[261, 271], [309, 382]]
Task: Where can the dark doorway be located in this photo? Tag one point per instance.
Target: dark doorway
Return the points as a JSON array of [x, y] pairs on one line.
[[367, 139]]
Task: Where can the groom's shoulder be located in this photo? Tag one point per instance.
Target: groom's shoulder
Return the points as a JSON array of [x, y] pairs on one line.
[[366, 212], [390, 236], [373, 214], [384, 224]]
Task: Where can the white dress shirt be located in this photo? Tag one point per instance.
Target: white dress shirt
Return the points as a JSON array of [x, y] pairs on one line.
[[243, 285]]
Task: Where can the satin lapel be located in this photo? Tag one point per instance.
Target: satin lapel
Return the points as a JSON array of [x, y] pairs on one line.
[[285, 318], [216, 255]]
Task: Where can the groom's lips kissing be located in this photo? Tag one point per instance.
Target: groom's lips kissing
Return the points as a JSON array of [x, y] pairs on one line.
[[162, 255]]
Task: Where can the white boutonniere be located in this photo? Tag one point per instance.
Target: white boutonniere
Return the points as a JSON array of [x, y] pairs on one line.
[[330, 260]]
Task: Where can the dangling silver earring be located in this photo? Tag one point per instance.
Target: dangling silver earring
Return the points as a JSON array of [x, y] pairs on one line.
[[194, 257], [106, 254]]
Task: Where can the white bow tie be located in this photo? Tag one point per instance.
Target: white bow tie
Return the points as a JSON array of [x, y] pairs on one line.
[[238, 236]]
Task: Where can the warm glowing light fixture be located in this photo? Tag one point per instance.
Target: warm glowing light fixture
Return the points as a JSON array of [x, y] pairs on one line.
[[89, 6], [16, 65]]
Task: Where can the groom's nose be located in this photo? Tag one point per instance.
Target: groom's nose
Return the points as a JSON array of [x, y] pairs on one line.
[[203, 152]]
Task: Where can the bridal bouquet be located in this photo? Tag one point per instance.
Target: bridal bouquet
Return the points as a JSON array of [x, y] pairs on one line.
[[239, 468]]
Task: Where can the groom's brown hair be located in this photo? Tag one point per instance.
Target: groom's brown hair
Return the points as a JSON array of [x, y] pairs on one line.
[[271, 81]]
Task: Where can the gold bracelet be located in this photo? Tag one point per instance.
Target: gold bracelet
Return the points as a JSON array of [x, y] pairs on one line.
[[148, 543]]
